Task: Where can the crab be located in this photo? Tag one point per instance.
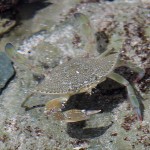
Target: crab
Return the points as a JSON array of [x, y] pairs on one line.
[[82, 74]]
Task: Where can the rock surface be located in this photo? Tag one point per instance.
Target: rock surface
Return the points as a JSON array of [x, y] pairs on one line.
[[6, 69], [50, 42]]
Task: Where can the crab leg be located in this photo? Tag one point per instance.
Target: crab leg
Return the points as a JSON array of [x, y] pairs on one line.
[[140, 71], [55, 106], [133, 100], [86, 31], [27, 107], [20, 59], [14, 55]]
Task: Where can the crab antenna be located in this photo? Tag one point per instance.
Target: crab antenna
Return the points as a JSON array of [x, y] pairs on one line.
[[116, 41]]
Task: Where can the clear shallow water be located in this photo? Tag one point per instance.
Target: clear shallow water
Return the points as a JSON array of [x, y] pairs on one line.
[[37, 33]]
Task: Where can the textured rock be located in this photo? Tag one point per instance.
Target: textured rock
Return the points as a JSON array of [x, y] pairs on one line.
[[6, 25], [6, 69]]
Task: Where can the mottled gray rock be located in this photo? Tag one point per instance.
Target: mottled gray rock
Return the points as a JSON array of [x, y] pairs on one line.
[[6, 69]]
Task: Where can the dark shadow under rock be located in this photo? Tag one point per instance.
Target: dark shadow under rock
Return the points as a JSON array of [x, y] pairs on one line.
[[77, 130], [28, 10]]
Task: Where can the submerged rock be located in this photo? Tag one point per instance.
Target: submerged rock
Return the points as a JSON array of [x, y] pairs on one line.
[[115, 128], [6, 69], [6, 25]]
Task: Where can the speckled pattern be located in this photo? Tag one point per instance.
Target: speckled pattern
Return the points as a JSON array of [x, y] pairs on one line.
[[77, 74]]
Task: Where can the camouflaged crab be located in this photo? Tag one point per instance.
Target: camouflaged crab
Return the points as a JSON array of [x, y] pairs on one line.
[[81, 75]]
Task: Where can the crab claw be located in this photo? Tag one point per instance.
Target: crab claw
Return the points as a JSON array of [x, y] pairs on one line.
[[75, 115], [53, 106]]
